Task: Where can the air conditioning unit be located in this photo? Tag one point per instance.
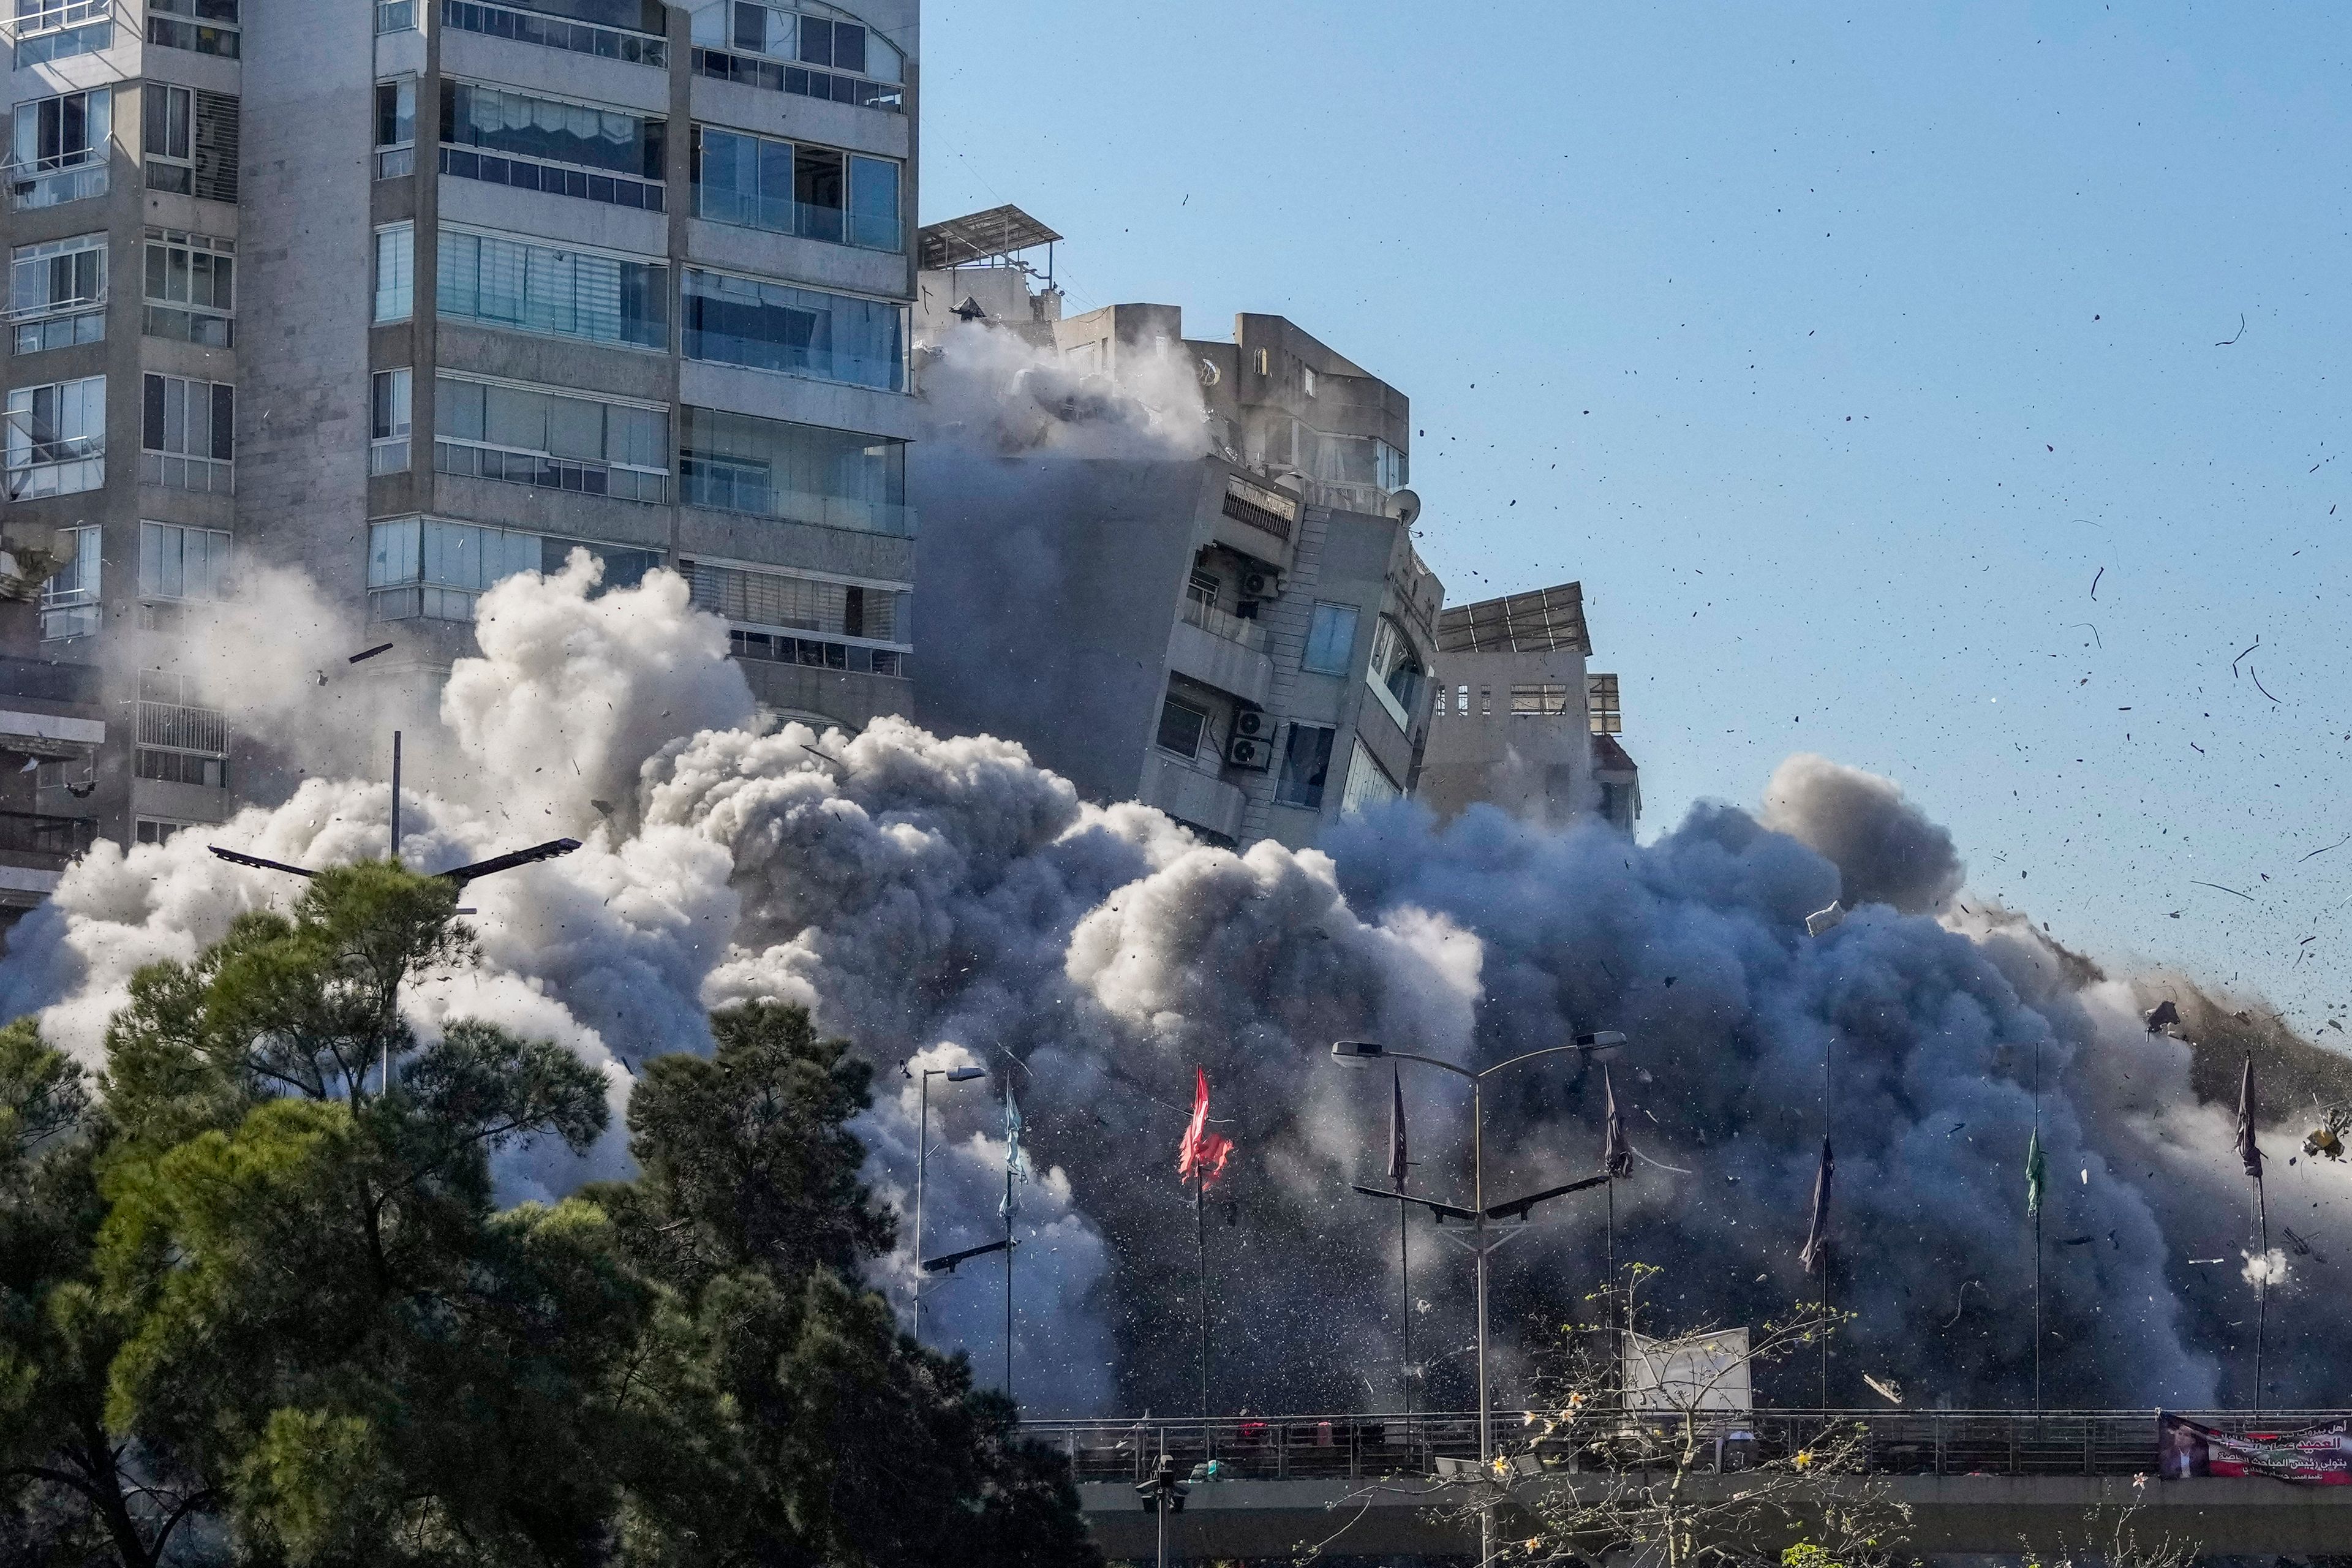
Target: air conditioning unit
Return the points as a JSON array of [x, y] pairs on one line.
[[1262, 584], [1248, 752], [1254, 724]]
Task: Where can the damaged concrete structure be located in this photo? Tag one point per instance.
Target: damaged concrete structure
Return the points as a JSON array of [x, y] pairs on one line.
[[1242, 639], [1520, 722]]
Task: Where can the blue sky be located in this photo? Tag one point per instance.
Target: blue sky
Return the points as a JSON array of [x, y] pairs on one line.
[[1842, 352]]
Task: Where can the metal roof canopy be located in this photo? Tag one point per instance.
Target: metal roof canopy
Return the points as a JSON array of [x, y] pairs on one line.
[[1536, 621], [978, 237]]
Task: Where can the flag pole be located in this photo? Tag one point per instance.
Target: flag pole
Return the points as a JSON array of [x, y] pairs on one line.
[[2261, 1290], [1008, 1279], [1616, 1328], [1405, 1270], [2037, 1234], [1201, 1238], [1828, 1046]]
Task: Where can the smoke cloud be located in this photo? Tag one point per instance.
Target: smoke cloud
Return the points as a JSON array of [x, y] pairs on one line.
[[1885, 849], [943, 901]]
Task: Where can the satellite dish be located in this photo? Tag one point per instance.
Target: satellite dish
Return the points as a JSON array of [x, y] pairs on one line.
[[1408, 506]]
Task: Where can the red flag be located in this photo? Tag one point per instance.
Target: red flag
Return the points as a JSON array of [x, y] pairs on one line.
[[1203, 1152]]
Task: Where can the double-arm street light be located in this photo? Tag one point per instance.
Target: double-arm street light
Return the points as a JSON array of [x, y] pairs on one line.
[[1481, 1215], [922, 1160]]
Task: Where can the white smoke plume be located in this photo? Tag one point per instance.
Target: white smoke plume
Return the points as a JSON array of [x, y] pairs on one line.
[[942, 901], [988, 391]]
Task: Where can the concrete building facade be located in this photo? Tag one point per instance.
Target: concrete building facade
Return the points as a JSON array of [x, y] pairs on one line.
[[1520, 722], [1242, 639], [413, 294]]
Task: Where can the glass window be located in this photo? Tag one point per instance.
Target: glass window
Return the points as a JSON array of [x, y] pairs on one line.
[[167, 137], [389, 391], [57, 293], [59, 148], [553, 439], [191, 287], [179, 563], [70, 601], [205, 27], [59, 29], [1331, 640], [56, 439], [1181, 727], [1369, 783], [802, 331], [787, 601], [514, 283], [1396, 668], [395, 112], [436, 570], [769, 468], [522, 125], [187, 434], [1306, 761], [874, 204], [395, 272]]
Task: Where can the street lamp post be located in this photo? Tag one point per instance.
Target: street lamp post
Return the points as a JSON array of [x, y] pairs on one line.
[[1359, 1052], [922, 1160]]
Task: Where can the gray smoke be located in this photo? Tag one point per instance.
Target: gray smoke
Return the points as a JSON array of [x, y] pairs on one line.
[[941, 899], [1885, 849]]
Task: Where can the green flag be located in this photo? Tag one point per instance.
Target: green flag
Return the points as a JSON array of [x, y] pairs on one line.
[[2037, 1176]]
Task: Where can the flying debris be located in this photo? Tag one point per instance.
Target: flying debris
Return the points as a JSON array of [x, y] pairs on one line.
[[1823, 921], [2327, 1138], [1886, 1388], [2162, 1016], [368, 653]]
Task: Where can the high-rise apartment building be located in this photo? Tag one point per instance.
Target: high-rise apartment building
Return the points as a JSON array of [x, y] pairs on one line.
[[415, 294], [1242, 639], [1520, 722]]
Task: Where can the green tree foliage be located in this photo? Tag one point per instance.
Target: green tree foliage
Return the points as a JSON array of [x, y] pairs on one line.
[[259, 1303], [823, 1436]]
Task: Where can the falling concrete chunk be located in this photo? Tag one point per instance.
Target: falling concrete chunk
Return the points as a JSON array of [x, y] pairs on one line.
[[2161, 1016], [1823, 921]]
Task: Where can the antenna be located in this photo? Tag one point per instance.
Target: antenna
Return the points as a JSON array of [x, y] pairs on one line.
[[396, 796]]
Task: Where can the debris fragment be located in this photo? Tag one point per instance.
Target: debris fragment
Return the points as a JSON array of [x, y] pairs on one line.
[[1886, 1388], [604, 807], [1823, 921], [371, 652], [2161, 1016], [2225, 342]]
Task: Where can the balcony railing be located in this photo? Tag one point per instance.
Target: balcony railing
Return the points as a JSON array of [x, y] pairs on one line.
[[180, 728], [28, 833], [1896, 1443], [1225, 624], [51, 17], [802, 220], [555, 33], [54, 181]]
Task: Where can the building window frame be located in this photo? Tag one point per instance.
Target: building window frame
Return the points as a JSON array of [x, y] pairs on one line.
[[861, 218], [60, 146], [60, 450], [532, 285], [71, 601], [396, 128], [471, 438], [391, 394], [1331, 639], [51, 30], [189, 288], [1306, 766], [638, 185], [1179, 722], [185, 562], [187, 434], [394, 273], [200, 26], [789, 329], [54, 321]]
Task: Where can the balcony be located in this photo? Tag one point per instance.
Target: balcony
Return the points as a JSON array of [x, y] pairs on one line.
[[1221, 650], [54, 181], [1197, 799], [554, 33], [50, 838], [181, 728]]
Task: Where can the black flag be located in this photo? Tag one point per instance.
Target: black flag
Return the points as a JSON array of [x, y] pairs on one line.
[[2248, 1150], [1397, 1165], [1616, 1155], [1816, 1254]]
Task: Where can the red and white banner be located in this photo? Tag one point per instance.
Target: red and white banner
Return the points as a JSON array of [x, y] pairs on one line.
[[2315, 1455]]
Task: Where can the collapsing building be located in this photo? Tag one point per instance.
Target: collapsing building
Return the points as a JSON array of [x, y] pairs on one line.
[[1520, 722], [1239, 635]]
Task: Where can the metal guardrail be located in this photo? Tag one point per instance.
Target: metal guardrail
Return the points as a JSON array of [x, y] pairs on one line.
[[1900, 1442]]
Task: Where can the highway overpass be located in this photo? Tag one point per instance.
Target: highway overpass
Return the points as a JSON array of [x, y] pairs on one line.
[[1977, 1481]]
